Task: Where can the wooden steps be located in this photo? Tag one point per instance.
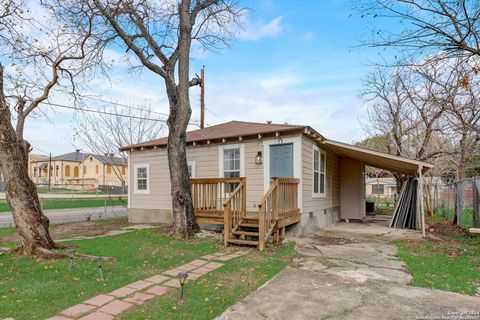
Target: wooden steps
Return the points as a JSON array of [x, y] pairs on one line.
[[244, 242], [248, 225], [246, 233]]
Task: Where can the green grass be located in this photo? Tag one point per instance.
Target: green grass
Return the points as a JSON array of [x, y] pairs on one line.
[[76, 203], [451, 264], [210, 295], [66, 191], [36, 290]]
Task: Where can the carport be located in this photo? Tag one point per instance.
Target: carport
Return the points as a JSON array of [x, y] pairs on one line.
[[353, 160]]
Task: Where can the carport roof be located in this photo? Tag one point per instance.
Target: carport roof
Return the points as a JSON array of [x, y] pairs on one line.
[[377, 159]]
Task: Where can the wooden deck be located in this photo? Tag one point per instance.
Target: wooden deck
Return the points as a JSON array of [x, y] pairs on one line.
[[223, 201]]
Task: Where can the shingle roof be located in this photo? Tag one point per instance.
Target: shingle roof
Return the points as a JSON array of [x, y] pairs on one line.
[[111, 160], [72, 156], [225, 130], [79, 157]]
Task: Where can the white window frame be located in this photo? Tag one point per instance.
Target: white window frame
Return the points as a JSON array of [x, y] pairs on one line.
[[320, 153], [135, 177], [192, 164], [221, 148]]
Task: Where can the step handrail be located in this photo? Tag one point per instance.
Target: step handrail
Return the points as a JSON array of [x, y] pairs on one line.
[[234, 209], [280, 200]]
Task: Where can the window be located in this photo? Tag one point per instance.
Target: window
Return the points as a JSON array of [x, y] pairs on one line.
[[67, 171], [75, 171], [231, 163], [96, 168], [124, 170], [56, 171], [319, 160], [34, 172], [109, 169], [191, 168], [378, 189], [142, 178]]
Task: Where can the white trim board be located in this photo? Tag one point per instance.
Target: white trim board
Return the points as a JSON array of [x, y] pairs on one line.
[[297, 162], [135, 180], [242, 157]]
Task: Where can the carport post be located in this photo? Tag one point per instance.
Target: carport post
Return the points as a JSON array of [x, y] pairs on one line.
[[422, 211]]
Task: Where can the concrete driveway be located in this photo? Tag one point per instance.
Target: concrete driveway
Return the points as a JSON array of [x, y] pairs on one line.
[[350, 271]]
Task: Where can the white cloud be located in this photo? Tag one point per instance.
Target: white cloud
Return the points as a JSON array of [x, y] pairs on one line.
[[255, 31]]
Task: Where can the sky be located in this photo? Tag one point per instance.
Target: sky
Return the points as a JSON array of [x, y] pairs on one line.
[[296, 62]]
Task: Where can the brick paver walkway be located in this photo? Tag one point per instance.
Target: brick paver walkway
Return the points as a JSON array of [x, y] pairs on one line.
[[107, 306]]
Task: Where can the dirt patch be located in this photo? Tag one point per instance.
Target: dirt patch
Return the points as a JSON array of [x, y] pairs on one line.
[[71, 230], [445, 227], [325, 239]]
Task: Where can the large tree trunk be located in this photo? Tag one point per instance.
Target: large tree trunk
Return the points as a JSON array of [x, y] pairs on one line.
[[184, 223], [31, 223]]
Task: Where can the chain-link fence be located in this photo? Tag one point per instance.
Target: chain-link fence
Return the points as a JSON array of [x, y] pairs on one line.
[[64, 203], [459, 202]]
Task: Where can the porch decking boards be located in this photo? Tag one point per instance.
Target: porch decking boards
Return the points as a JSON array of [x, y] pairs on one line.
[[224, 201]]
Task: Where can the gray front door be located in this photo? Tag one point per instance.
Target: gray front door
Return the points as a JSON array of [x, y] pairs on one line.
[[281, 160]]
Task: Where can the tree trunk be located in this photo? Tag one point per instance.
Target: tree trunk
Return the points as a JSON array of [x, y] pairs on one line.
[[31, 223], [184, 223]]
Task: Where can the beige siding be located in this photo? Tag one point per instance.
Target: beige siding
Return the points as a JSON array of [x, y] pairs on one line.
[[206, 166], [353, 189], [319, 211]]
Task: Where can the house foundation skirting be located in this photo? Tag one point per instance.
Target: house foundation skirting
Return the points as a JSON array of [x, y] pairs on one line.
[[317, 219]]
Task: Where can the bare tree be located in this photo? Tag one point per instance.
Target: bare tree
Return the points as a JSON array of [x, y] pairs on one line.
[[425, 26], [113, 127], [160, 35], [38, 53], [404, 108]]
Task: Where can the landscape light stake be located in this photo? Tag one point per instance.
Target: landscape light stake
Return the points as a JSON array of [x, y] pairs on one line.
[[182, 277], [71, 252], [99, 261]]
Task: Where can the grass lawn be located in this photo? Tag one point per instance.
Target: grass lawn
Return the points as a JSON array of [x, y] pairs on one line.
[[452, 263], [210, 295], [68, 203], [38, 290]]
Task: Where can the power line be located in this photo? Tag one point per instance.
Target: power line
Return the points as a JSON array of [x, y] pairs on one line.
[[124, 105], [107, 113]]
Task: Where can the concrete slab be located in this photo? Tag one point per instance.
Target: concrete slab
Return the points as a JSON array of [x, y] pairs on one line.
[[77, 310], [97, 315], [307, 295]]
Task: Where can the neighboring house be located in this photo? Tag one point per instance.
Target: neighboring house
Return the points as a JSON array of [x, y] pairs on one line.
[[80, 169], [328, 177], [385, 187]]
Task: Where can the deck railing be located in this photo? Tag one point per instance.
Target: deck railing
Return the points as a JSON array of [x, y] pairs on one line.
[[279, 201], [235, 209], [209, 194]]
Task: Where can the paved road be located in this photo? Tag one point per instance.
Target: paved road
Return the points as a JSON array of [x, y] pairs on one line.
[[72, 215], [73, 196]]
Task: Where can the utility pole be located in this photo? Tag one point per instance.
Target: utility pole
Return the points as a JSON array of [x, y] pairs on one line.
[[202, 98], [50, 171]]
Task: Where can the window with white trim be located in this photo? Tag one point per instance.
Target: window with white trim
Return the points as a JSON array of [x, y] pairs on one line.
[[231, 162], [142, 178], [319, 172]]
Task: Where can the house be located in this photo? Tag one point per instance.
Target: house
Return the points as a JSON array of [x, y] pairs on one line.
[[259, 178], [385, 187], [80, 170]]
